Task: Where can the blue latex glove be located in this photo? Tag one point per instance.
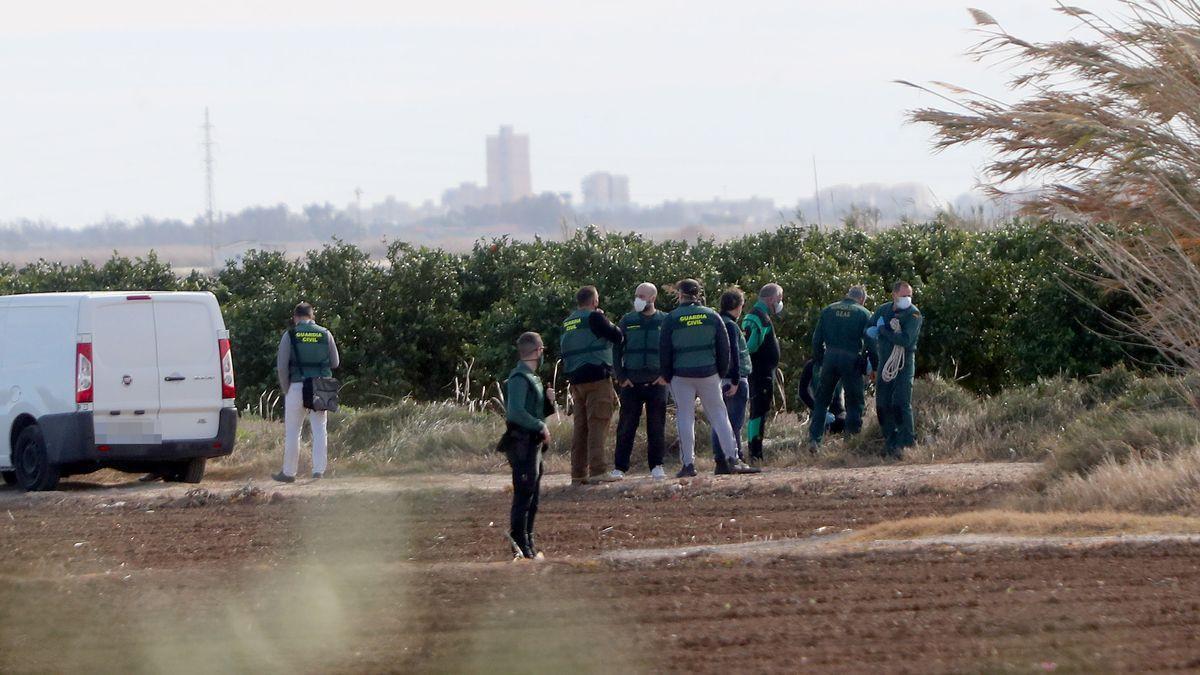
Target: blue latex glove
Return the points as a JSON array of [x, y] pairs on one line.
[[873, 332]]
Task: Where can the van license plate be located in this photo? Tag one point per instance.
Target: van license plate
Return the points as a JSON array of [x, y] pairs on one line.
[[121, 432]]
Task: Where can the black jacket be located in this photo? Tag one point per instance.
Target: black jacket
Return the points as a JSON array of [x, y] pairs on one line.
[[734, 371]]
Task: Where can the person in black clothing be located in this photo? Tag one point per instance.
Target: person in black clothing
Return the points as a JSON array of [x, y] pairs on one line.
[[525, 438], [640, 383], [735, 384], [837, 409]]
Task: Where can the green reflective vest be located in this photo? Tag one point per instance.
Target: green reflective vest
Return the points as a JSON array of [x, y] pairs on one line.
[[526, 399], [640, 352], [694, 337], [310, 352], [579, 346]]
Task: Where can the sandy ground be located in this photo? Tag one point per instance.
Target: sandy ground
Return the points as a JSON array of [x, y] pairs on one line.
[[954, 477], [710, 574]]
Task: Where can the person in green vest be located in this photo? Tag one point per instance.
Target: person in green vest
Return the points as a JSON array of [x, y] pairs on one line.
[[305, 350], [735, 385], [763, 344], [640, 383], [839, 345], [525, 439], [693, 354], [895, 327], [586, 348]]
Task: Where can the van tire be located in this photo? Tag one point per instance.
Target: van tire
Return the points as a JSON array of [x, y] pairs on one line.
[[191, 471], [34, 471], [10, 477]]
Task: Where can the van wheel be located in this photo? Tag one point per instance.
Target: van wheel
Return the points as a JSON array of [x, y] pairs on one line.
[[10, 477], [186, 472], [34, 471]]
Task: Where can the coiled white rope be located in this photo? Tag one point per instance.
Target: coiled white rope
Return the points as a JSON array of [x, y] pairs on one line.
[[894, 364]]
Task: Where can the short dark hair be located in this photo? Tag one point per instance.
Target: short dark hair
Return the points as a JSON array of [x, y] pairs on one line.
[[528, 343], [900, 284], [732, 299], [586, 295], [689, 287], [303, 311]]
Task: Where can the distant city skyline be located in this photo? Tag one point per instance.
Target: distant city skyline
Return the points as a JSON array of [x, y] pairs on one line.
[[310, 101]]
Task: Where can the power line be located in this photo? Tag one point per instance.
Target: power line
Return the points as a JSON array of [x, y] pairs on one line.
[[817, 192], [208, 179]]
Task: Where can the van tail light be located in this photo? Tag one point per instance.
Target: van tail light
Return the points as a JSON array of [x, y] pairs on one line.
[[228, 388], [83, 372]]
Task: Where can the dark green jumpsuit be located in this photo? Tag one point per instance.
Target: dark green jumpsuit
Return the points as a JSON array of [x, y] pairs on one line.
[[838, 346], [893, 400]]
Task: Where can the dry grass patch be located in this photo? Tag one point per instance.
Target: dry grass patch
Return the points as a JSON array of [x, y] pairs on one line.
[[1017, 523], [1148, 485], [409, 437]]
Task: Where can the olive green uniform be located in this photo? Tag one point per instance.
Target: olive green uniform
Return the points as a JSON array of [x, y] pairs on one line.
[[839, 351], [525, 414], [893, 400]]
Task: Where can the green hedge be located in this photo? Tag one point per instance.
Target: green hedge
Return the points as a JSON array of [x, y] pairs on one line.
[[1002, 307]]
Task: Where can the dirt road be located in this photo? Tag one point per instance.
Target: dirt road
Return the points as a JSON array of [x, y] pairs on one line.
[[713, 574]]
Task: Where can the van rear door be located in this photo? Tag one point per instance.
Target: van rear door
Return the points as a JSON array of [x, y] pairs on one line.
[[125, 370], [189, 366]]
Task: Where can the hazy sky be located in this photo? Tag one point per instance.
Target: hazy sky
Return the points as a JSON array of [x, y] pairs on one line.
[[101, 102]]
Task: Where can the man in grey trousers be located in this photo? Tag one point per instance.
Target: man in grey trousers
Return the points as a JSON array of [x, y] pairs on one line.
[[305, 350], [693, 352]]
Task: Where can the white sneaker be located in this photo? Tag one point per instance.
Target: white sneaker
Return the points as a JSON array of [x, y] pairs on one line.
[[657, 473], [616, 474]]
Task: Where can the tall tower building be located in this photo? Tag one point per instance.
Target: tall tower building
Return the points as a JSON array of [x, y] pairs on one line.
[[508, 177]]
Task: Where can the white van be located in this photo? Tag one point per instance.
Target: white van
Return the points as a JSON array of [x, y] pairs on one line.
[[135, 381]]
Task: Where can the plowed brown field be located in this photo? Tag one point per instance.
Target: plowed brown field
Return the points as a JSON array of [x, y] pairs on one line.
[[410, 575]]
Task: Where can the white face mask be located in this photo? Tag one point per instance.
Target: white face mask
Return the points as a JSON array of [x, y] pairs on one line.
[[779, 307], [639, 304], [904, 302]]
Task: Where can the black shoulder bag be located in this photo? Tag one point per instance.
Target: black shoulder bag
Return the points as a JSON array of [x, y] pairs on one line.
[[320, 393]]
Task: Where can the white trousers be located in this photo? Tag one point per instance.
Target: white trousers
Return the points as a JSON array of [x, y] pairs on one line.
[[294, 414], [686, 390]]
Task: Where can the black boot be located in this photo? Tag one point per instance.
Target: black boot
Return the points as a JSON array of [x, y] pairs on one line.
[[688, 471], [722, 466], [518, 552], [532, 551]]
